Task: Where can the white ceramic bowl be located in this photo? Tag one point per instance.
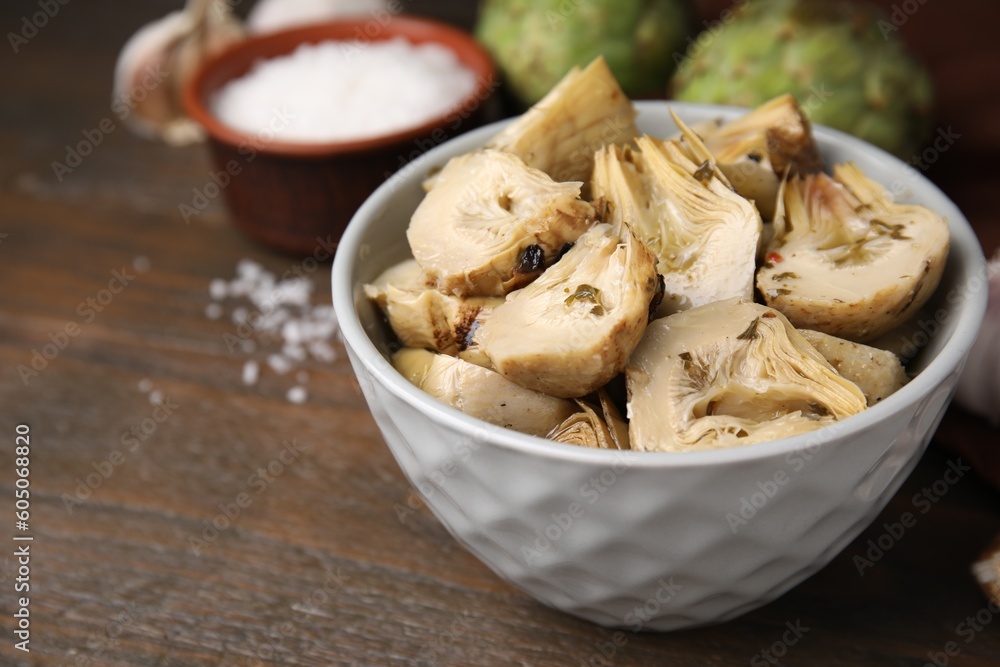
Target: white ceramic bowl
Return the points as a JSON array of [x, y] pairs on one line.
[[654, 540]]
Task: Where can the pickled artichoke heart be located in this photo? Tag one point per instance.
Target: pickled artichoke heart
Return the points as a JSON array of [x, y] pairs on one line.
[[422, 316], [406, 275], [572, 330], [590, 428], [759, 149], [703, 234], [848, 261], [730, 374], [877, 373], [559, 135], [482, 393], [490, 224]]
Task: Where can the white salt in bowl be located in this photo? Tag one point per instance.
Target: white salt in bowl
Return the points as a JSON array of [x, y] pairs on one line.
[[298, 195], [653, 540]]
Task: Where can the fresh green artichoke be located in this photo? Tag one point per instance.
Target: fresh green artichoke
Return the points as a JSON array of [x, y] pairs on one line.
[[839, 59], [535, 42]]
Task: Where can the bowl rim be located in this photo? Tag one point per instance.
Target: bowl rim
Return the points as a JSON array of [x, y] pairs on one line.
[[964, 244], [196, 90]]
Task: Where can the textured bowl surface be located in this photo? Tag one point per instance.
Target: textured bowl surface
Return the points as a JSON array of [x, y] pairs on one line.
[[643, 540], [298, 196]]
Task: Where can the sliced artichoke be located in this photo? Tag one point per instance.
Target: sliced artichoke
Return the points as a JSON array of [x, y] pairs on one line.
[[559, 135], [425, 317], [491, 224], [590, 428], [406, 275], [482, 393], [703, 234], [759, 149], [730, 374], [877, 373], [572, 330], [848, 261]]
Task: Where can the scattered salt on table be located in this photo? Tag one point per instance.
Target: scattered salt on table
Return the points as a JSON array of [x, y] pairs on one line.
[[280, 311], [335, 91]]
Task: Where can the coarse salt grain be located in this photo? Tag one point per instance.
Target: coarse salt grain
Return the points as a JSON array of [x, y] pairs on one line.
[[279, 364], [213, 311], [141, 264], [145, 385], [297, 395], [217, 289], [336, 91], [251, 371]]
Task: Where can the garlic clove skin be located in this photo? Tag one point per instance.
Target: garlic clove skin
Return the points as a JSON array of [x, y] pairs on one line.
[[979, 386], [159, 59], [273, 15]]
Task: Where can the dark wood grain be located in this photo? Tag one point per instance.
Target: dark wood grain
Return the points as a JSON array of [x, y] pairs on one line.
[[319, 569]]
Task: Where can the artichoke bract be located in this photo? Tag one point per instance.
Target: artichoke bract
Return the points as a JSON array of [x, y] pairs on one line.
[[535, 42], [834, 57], [559, 135], [589, 428], [703, 234], [758, 150], [569, 332], [491, 224], [849, 261], [730, 374], [422, 316], [878, 373], [482, 393]]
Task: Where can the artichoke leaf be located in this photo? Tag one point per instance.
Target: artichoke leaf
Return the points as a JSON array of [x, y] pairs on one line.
[[758, 150], [878, 373], [589, 428], [425, 317], [560, 133]]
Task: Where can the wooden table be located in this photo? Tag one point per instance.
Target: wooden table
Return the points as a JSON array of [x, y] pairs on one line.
[[319, 569]]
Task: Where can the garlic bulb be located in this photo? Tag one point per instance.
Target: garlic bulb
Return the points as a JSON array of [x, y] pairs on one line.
[[157, 61], [979, 386], [273, 15]]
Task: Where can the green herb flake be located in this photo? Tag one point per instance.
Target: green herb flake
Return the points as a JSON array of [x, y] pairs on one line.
[[893, 231], [704, 172], [585, 292], [751, 331], [696, 370]]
